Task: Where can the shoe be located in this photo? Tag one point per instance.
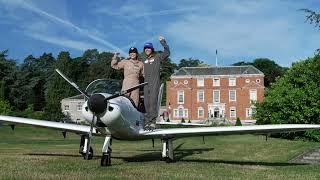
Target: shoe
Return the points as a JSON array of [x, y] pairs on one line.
[[150, 127]]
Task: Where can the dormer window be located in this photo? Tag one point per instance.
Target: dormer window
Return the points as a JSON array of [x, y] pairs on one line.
[[216, 81], [232, 82], [200, 82]]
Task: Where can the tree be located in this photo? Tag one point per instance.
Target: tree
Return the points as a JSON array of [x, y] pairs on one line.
[[238, 122], [189, 63], [270, 69], [5, 107], [313, 18], [8, 74], [167, 68], [293, 98], [58, 88]]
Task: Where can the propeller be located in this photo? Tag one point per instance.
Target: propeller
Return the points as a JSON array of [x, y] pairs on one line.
[[97, 103]]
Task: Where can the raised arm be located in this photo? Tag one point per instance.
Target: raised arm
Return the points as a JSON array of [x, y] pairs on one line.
[[115, 64], [166, 51]]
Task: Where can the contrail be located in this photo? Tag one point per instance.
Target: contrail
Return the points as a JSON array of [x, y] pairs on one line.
[[64, 42], [163, 12], [85, 32]]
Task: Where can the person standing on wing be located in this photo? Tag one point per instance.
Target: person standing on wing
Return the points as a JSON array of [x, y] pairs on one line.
[[133, 70], [151, 61]]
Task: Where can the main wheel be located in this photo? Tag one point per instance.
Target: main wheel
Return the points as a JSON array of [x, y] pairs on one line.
[[106, 159], [90, 155]]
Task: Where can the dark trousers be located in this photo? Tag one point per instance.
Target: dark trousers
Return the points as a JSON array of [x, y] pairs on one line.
[[151, 103]]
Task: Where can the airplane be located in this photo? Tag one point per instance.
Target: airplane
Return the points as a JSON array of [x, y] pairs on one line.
[[112, 114]]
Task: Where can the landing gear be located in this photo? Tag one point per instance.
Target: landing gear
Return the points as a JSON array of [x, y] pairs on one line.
[[83, 148], [167, 150], [106, 152], [106, 159]]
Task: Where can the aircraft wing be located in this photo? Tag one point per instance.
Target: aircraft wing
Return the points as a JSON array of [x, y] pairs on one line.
[[76, 128], [230, 130], [182, 124]]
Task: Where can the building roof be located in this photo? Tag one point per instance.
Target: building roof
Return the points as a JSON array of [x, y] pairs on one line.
[[76, 97], [220, 70]]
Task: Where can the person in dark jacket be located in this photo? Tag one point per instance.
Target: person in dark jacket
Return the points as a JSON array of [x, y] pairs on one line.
[[151, 61]]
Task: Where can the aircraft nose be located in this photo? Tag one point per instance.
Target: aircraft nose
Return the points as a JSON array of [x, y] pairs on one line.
[[96, 103]]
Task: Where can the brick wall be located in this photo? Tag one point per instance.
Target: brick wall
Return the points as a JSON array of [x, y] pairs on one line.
[[190, 88]]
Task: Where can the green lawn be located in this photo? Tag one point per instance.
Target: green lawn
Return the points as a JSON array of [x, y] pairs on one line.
[[38, 153]]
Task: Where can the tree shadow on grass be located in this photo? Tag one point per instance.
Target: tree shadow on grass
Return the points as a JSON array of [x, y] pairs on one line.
[[180, 155], [155, 154]]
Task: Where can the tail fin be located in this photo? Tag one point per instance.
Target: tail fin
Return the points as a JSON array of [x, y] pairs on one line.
[[160, 98]]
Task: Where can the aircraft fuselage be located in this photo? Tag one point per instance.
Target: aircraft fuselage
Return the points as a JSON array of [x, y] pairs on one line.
[[121, 118]]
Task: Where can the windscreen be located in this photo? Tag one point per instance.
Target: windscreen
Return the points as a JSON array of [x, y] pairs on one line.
[[104, 86]]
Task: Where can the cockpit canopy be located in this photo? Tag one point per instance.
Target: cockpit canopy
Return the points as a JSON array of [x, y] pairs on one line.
[[109, 86]]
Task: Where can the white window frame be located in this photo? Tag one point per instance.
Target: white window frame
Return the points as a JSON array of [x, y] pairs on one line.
[[253, 95], [216, 84], [214, 96], [79, 107], [198, 95], [233, 109], [184, 113], [250, 111], [235, 95], [66, 107], [200, 109], [178, 97], [200, 82], [175, 112], [232, 81]]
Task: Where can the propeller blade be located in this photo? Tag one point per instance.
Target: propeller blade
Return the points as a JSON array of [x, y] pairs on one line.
[[72, 83], [125, 91]]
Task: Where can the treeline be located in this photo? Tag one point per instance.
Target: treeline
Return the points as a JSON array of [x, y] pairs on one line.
[[33, 89]]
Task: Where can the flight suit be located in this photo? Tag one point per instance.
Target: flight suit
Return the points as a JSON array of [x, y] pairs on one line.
[[152, 76], [133, 70]]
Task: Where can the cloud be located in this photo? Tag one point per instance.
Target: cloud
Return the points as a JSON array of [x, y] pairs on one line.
[[31, 7], [245, 29], [64, 42]]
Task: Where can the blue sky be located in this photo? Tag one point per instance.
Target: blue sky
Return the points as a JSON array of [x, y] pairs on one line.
[[240, 30]]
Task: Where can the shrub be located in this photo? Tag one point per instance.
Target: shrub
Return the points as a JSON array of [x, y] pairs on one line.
[[238, 122], [182, 120], [189, 121]]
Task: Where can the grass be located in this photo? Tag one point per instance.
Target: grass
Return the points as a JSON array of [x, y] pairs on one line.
[[38, 153]]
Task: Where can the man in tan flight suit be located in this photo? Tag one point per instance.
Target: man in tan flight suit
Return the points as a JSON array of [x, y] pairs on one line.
[[133, 70]]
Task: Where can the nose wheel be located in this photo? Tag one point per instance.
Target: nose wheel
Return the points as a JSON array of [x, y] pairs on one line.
[[106, 152], [83, 148]]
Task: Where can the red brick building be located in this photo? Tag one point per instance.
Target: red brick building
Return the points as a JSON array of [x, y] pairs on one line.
[[197, 93]]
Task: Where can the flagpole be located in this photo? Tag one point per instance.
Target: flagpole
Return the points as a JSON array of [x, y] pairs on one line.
[[216, 58]]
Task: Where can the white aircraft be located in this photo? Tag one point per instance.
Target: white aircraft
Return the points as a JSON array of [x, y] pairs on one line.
[[113, 115]]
